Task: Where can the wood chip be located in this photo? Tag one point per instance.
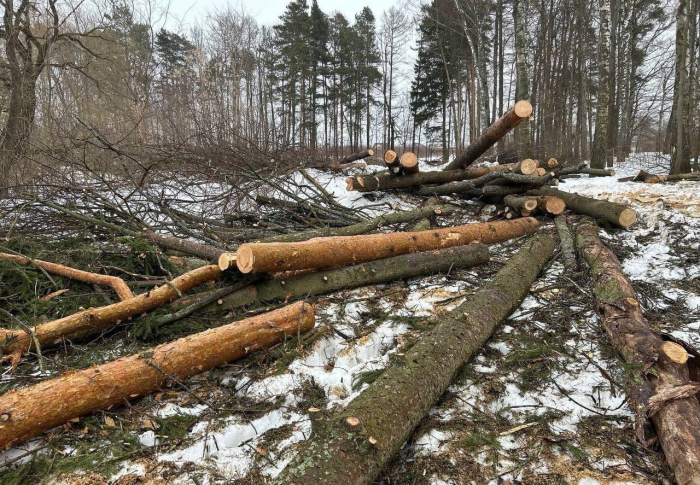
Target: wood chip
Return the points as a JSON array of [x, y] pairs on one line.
[[352, 421]]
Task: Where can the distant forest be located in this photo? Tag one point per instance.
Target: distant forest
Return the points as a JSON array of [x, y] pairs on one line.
[[604, 78]]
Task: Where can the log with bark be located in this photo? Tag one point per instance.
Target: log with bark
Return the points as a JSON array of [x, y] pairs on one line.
[[97, 320], [683, 176], [521, 203], [650, 178], [335, 252], [427, 222], [117, 284], [497, 178], [339, 167], [387, 181], [661, 371], [617, 214], [372, 273], [527, 167], [356, 156], [511, 119], [566, 243], [409, 163], [32, 410], [353, 446]]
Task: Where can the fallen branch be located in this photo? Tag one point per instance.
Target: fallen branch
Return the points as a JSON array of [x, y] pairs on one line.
[[335, 252], [566, 243], [117, 284], [353, 446], [29, 411]]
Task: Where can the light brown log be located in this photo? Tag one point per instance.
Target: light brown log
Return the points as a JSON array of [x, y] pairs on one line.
[[660, 368], [27, 412], [117, 284], [550, 204], [526, 167], [96, 320], [541, 172], [409, 162], [391, 159], [335, 252], [513, 117]]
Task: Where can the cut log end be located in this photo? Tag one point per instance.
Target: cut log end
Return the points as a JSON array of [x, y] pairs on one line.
[[541, 172], [627, 217], [226, 260], [245, 259], [371, 152], [554, 205], [390, 156], [409, 162], [552, 163], [523, 108], [349, 185], [675, 352], [530, 205]]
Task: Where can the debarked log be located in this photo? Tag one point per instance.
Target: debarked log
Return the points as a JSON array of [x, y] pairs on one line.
[[661, 366], [354, 445], [372, 273], [96, 320], [336, 252], [617, 214], [32, 410]]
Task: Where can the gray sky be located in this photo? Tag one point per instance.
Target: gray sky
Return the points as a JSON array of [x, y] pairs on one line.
[[267, 12]]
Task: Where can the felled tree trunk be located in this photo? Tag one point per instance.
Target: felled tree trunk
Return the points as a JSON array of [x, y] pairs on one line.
[[391, 159], [366, 226], [32, 410], [521, 203], [527, 167], [660, 367], [513, 117], [617, 214], [335, 252], [96, 320], [117, 284], [566, 243], [386, 181], [550, 204], [497, 178], [427, 222], [373, 273], [683, 176], [356, 156], [339, 167], [353, 446]]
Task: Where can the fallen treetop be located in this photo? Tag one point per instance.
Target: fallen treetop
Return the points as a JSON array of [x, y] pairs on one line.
[[372, 273], [333, 252], [511, 119], [29, 411], [96, 320], [353, 446], [660, 367]]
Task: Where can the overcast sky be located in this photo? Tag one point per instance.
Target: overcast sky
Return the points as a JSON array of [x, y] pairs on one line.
[[267, 12]]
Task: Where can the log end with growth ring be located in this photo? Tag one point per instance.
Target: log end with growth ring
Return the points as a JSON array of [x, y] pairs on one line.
[[409, 162], [523, 108], [528, 166], [371, 152], [627, 217], [227, 260], [530, 205], [675, 352], [554, 205], [390, 156], [245, 259]]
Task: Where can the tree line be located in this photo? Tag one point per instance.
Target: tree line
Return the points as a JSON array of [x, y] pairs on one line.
[[428, 77]]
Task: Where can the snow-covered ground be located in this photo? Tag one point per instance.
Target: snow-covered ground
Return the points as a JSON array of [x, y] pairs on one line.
[[541, 403]]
